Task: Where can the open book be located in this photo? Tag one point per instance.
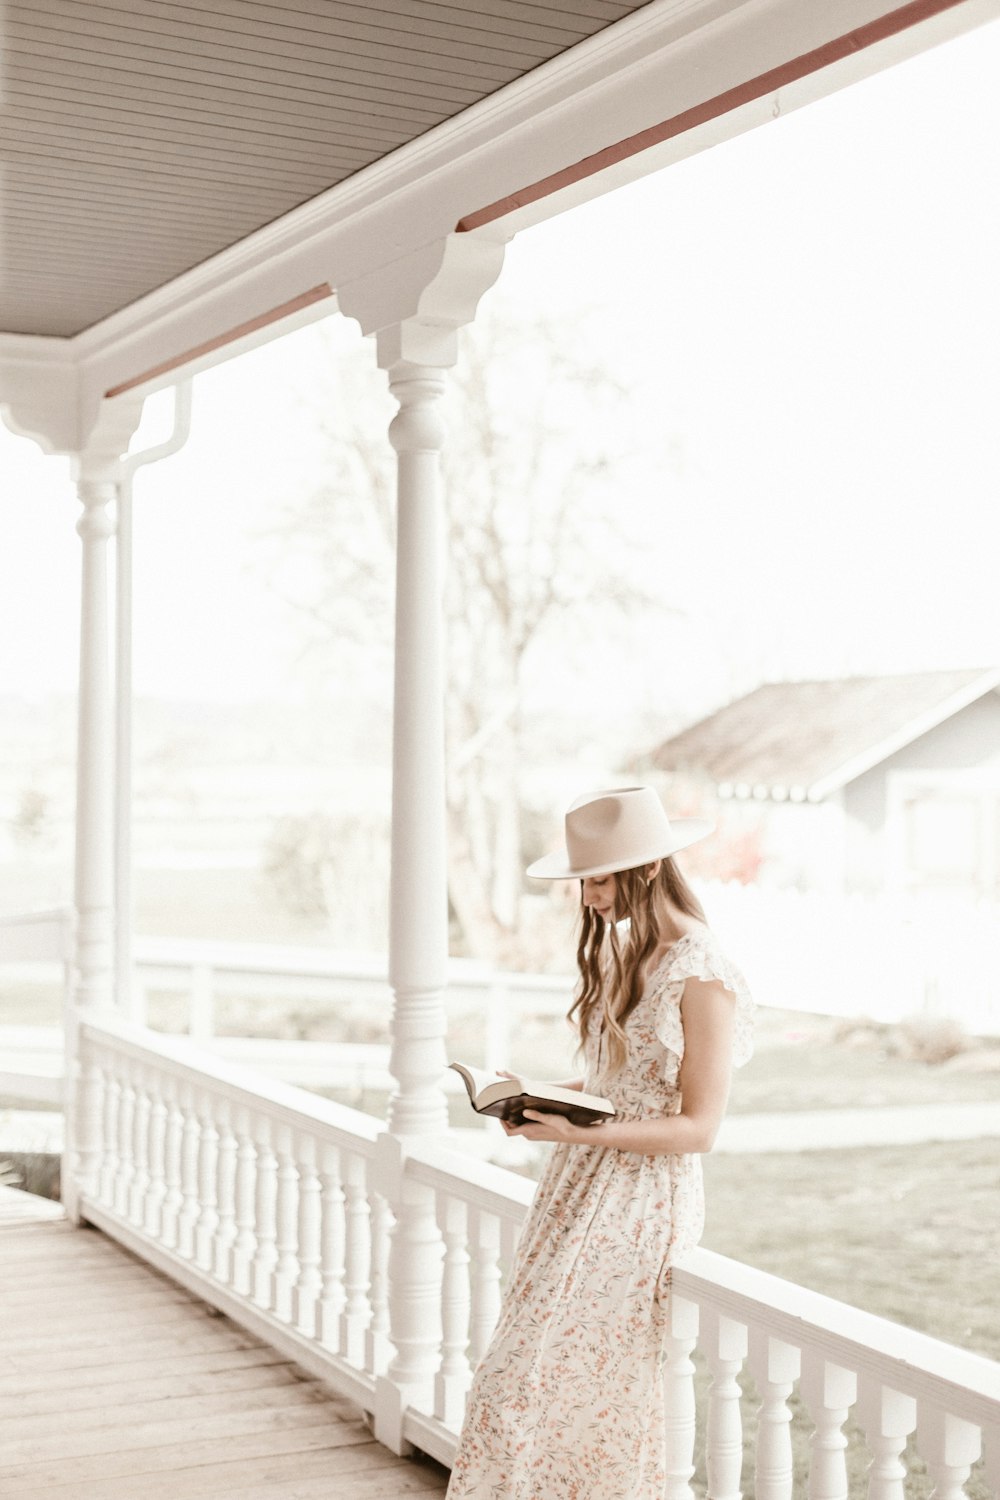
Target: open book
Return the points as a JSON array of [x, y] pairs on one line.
[[507, 1098]]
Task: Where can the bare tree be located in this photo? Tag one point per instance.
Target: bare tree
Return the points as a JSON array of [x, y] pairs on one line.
[[532, 548]]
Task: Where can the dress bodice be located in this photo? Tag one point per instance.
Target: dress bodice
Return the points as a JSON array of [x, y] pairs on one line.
[[648, 1081]]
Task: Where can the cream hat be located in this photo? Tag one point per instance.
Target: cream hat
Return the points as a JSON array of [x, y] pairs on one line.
[[615, 830]]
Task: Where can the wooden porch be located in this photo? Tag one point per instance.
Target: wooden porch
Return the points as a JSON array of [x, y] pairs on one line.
[[116, 1381]]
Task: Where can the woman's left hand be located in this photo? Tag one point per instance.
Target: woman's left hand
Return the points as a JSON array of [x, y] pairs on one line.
[[543, 1127]]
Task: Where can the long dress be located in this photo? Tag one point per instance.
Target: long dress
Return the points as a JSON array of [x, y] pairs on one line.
[[567, 1402]]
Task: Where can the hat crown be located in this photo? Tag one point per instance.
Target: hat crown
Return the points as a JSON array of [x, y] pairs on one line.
[[625, 827], [620, 829]]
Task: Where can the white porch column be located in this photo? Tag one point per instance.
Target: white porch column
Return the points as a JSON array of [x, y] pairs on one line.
[[94, 867], [98, 473], [415, 309], [418, 910]]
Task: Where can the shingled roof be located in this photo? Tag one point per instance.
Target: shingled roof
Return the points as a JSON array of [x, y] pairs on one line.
[[804, 740]]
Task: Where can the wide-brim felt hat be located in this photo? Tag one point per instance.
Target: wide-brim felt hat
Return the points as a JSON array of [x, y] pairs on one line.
[[614, 830]]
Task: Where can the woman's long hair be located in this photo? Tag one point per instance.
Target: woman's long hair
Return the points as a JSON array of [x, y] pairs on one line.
[[613, 966]]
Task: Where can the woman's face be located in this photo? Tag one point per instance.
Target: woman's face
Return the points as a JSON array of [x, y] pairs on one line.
[[599, 895]]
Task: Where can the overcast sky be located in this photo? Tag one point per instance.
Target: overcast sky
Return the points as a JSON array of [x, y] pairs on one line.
[[807, 319]]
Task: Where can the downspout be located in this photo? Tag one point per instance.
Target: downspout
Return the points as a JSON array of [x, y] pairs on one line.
[[129, 1000]]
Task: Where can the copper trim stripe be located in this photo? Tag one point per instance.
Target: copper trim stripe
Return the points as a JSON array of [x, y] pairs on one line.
[[754, 88], [177, 361]]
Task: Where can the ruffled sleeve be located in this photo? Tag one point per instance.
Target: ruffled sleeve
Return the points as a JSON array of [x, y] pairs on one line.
[[699, 956]]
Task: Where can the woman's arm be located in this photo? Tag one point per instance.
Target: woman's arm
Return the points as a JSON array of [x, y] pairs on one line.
[[707, 1010]]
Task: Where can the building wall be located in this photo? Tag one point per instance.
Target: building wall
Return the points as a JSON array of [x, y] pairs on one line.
[[969, 741], [804, 845]]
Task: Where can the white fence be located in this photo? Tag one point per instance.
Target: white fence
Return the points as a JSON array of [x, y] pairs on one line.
[[854, 956], [279, 1209], [37, 944], [877, 956]]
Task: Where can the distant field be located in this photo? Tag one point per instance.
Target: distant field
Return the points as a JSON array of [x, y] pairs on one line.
[[230, 905]]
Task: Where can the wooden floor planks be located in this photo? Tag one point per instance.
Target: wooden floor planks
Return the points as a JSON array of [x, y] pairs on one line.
[[119, 1385]]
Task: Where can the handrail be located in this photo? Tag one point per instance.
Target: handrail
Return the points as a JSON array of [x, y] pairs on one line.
[[492, 1189]]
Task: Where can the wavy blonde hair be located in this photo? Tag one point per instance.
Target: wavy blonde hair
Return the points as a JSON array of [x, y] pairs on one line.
[[613, 967]]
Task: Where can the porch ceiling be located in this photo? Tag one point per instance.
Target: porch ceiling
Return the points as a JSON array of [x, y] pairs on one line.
[[143, 138], [180, 182]]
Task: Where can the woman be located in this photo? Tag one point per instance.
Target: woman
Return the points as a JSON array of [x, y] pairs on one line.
[[567, 1403]]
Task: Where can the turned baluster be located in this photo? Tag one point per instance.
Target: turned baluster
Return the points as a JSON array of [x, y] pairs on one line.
[[125, 1174], [484, 1242], [775, 1367], [245, 1244], [112, 1105], [309, 1284], [679, 1398], [140, 1135], [452, 1380], [90, 1127], [949, 1446], [357, 1262], [208, 1159], [332, 1296], [225, 1234], [991, 1444], [378, 1350], [156, 1197], [829, 1391], [286, 1267], [725, 1345], [888, 1417], [190, 1207], [265, 1204], [173, 1147]]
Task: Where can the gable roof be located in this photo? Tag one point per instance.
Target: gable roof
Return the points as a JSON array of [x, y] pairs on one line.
[[804, 740]]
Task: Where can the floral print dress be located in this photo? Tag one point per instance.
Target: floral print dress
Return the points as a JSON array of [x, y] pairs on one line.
[[567, 1403]]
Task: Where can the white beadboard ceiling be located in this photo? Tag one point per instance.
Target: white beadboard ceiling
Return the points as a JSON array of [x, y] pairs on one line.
[[138, 139]]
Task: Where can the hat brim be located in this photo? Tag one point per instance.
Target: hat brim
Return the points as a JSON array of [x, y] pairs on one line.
[[556, 866]]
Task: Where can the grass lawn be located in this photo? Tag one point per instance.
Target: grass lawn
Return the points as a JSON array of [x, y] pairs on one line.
[[909, 1232]]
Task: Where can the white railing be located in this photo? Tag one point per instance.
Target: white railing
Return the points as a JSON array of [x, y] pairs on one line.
[[278, 1208], [274, 1206]]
